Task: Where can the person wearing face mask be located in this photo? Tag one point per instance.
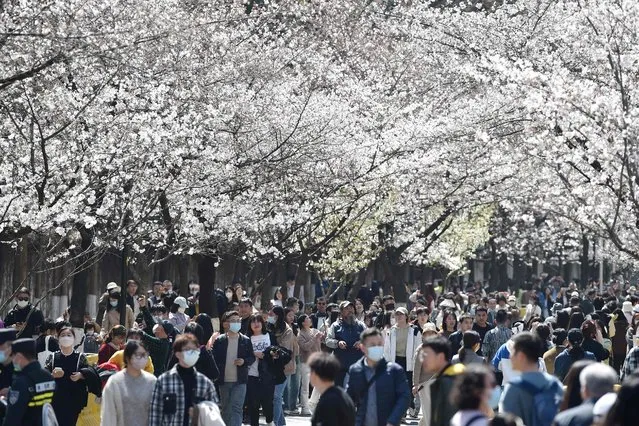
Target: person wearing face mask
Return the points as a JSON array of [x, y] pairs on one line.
[[65, 365], [177, 316], [111, 316], [285, 338], [119, 358], [31, 388], [112, 344], [24, 317], [233, 354], [127, 395], [471, 394], [179, 389], [378, 387], [7, 336], [91, 337]]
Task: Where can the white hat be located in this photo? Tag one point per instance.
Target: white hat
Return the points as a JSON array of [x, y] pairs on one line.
[[603, 405], [635, 309], [574, 294], [111, 286], [429, 326], [447, 303], [181, 302], [512, 298], [627, 307]]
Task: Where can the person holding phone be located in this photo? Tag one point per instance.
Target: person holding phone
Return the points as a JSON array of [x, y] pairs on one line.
[[24, 317], [65, 366]]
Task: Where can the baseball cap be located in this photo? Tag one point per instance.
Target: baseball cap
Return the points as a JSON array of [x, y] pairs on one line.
[[512, 298], [7, 335], [574, 294], [403, 311], [627, 307], [110, 286], [345, 303]]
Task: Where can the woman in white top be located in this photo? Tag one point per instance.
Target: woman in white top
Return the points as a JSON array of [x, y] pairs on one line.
[[532, 309], [471, 393], [126, 398]]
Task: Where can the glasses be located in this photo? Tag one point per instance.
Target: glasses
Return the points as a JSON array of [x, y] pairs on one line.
[[23, 299]]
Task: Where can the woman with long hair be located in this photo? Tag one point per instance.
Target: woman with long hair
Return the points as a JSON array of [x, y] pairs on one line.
[[309, 341], [285, 338], [360, 313], [572, 395], [593, 341], [625, 411], [533, 309], [572, 354], [261, 382], [111, 316], [471, 392], [449, 323], [471, 342], [113, 343]]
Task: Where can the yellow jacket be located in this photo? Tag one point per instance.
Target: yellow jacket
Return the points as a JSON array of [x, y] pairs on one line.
[[118, 359]]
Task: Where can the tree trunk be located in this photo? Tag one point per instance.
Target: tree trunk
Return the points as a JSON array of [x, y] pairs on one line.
[[585, 270], [206, 277], [81, 286], [300, 275]]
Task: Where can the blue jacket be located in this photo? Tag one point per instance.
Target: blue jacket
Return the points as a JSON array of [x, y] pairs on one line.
[[391, 387], [244, 351], [348, 333], [564, 361]]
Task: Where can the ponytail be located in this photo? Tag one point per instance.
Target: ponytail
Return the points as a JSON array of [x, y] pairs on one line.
[[576, 353], [462, 354]]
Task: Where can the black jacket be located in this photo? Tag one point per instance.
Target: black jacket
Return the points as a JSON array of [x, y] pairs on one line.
[[244, 351], [275, 366], [16, 315]]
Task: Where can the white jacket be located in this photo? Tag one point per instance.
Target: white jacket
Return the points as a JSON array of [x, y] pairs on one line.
[[412, 342]]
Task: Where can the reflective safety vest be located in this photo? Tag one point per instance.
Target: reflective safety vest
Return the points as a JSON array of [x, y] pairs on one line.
[[41, 393]]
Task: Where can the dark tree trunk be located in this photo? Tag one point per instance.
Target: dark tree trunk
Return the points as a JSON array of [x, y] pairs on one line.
[[585, 270], [206, 277], [80, 285]]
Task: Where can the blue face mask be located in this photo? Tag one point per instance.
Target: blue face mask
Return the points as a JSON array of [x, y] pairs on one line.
[[495, 396], [235, 327], [113, 303], [16, 367], [3, 356], [271, 320], [375, 353]]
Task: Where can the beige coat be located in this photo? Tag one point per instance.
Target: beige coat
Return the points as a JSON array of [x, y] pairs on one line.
[[288, 341], [112, 318], [308, 343]]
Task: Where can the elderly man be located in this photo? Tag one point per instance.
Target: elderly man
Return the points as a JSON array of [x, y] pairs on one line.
[[343, 337], [596, 380]]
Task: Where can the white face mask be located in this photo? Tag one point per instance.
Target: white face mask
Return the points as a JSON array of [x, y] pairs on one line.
[[66, 341], [22, 303], [139, 363], [181, 310], [190, 357], [113, 303]]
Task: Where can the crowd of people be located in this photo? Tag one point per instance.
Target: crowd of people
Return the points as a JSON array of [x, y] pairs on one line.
[[551, 354]]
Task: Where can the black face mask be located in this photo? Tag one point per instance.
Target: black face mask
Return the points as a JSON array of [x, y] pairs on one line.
[[390, 306]]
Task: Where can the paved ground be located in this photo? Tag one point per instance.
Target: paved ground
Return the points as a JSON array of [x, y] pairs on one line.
[[306, 421]]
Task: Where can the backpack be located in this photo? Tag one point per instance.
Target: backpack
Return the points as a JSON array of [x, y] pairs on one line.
[[546, 400]]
